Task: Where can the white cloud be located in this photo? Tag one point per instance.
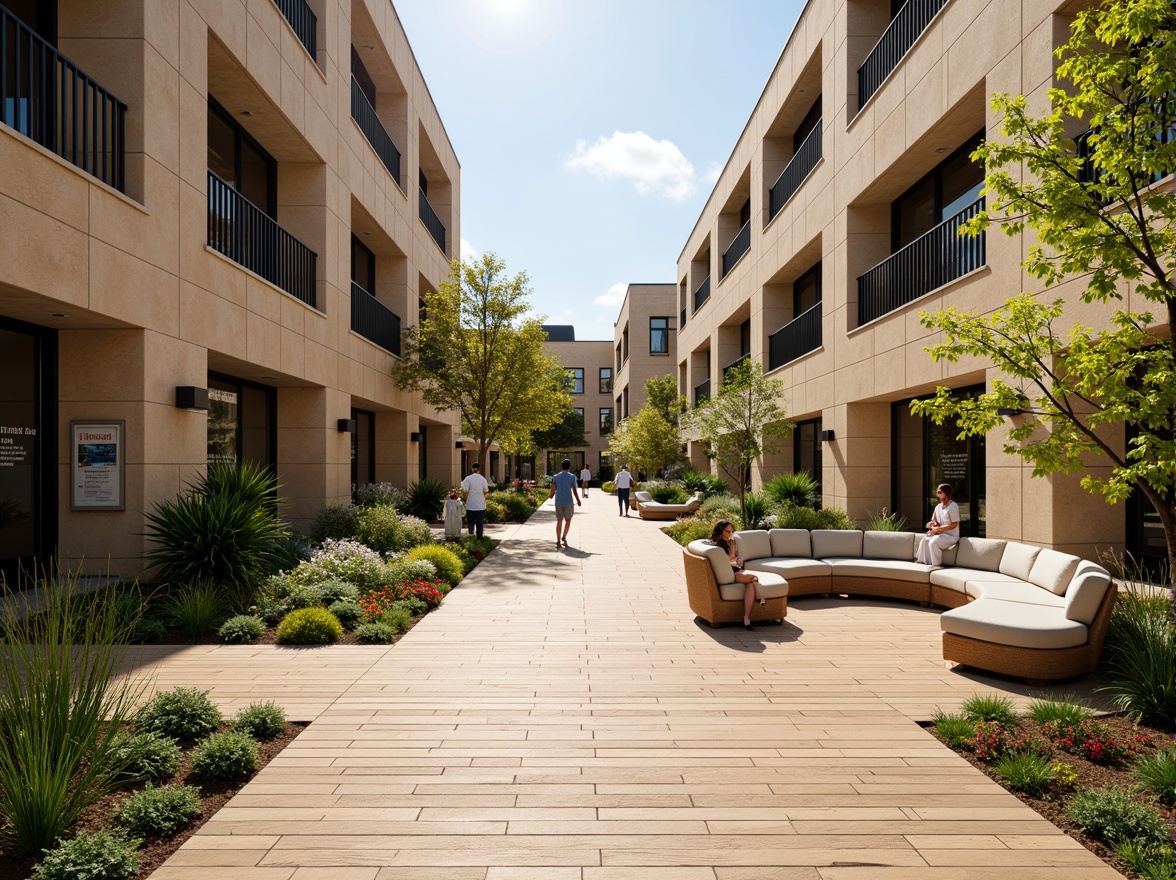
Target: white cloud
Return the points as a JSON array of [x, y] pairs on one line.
[[614, 297], [467, 251], [654, 166]]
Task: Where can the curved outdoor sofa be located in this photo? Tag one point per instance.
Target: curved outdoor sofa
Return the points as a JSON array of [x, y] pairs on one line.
[[1013, 608], [647, 508]]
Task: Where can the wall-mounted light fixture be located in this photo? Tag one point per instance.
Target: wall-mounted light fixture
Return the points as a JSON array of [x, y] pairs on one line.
[[459, 445], [415, 437], [346, 426], [827, 436], [191, 397]]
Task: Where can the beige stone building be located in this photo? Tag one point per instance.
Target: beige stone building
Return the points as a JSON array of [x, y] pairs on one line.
[[833, 225], [589, 366], [645, 343], [215, 218]]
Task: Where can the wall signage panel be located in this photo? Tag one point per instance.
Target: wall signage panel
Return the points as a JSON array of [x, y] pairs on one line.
[[98, 467]]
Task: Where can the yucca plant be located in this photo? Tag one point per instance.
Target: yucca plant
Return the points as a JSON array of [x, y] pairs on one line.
[[224, 529], [1140, 654], [62, 708], [757, 506], [886, 522], [426, 498], [799, 488]]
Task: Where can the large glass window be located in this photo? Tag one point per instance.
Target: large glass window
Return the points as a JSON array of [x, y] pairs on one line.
[[363, 446], [806, 450], [953, 185], [606, 379], [806, 291], [240, 160], [555, 459], [659, 335], [606, 420], [241, 422], [575, 380], [363, 266]]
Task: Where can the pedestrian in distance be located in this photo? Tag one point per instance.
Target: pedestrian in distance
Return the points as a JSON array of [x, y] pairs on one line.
[[585, 478], [474, 489], [564, 491], [624, 482]]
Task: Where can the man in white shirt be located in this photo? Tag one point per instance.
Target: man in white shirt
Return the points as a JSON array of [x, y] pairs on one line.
[[585, 476], [624, 482], [474, 489]]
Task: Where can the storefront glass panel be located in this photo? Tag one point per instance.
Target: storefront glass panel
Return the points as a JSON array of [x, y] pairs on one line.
[[241, 422]]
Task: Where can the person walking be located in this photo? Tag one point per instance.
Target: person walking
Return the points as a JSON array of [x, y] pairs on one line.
[[943, 530], [563, 489], [624, 482], [474, 489], [585, 478]]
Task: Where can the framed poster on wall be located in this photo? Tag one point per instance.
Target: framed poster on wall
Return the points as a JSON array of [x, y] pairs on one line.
[[98, 465]]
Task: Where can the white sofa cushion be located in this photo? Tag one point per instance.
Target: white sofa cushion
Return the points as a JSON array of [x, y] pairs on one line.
[[957, 578], [1014, 623], [643, 497], [1018, 559], [982, 553], [883, 569], [791, 542], [771, 587], [718, 560], [836, 542], [889, 545], [753, 544], [792, 568], [1015, 591], [1085, 594], [1054, 570], [949, 555]]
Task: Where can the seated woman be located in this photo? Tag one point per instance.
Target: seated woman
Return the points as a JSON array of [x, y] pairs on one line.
[[724, 536], [943, 531]]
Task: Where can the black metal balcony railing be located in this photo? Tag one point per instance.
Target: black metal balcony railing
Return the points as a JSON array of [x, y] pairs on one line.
[[803, 161], [369, 123], [49, 99], [431, 220], [738, 247], [702, 294], [247, 235], [374, 321], [935, 258], [727, 369], [894, 43], [302, 20], [702, 393], [796, 338]]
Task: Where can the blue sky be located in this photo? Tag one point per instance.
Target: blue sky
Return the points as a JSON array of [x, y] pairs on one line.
[[590, 132]]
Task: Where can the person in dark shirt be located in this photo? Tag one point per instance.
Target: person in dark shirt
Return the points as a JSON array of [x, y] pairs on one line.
[[724, 536]]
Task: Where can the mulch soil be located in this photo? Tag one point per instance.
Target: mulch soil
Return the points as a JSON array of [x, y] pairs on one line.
[[270, 637], [1090, 775], [154, 851]]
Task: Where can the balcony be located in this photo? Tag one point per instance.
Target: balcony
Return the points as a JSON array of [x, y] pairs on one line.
[[796, 338], [302, 20], [702, 294], [431, 220], [736, 249], [727, 369], [803, 161], [369, 123], [48, 99], [893, 45], [702, 393], [936, 258], [248, 236], [374, 321]]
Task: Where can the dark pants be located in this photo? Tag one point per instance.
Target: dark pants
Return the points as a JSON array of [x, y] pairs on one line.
[[476, 520], [623, 499]]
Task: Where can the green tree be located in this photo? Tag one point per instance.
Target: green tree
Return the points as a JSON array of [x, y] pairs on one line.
[[646, 442], [661, 393], [567, 433], [479, 350], [1100, 221], [744, 421]]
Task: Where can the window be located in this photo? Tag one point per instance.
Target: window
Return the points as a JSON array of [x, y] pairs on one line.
[[363, 444], [363, 266], [806, 450], [806, 290], [576, 380], [606, 374], [625, 344], [239, 160], [579, 410], [242, 419], [605, 420], [659, 335], [951, 187]]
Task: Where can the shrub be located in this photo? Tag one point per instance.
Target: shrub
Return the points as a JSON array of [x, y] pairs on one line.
[[414, 532], [347, 561], [517, 505], [224, 529], [757, 506], [241, 630], [718, 507], [495, 511], [371, 494], [990, 740], [334, 521], [798, 489], [956, 730], [445, 561], [347, 611], [195, 609], [261, 720], [378, 527], [226, 756], [1110, 814], [1065, 712], [182, 713], [413, 594], [412, 606], [807, 518], [147, 756], [609, 486], [404, 569], [289, 552], [310, 626], [668, 493], [103, 855], [1095, 742], [426, 498], [984, 707], [148, 631], [1157, 773], [379, 633], [1025, 772], [159, 810], [1149, 861], [1064, 774], [686, 530], [1140, 656], [335, 591], [886, 522], [698, 483]]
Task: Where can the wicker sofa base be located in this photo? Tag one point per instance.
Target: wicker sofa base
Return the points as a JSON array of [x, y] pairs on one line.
[[890, 589], [703, 593]]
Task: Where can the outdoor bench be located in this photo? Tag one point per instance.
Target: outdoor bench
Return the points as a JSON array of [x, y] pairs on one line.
[[647, 508]]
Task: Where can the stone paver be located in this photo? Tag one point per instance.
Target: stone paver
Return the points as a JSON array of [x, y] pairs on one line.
[[563, 716]]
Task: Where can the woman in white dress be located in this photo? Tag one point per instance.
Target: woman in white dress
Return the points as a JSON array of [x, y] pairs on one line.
[[943, 531]]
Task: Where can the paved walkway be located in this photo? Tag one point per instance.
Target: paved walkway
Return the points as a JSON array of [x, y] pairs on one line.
[[562, 717]]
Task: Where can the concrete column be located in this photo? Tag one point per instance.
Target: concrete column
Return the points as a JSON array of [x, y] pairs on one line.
[[856, 463], [396, 457], [314, 457], [441, 456]]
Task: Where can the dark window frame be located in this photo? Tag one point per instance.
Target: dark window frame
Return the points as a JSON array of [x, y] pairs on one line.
[[368, 283], [665, 330], [271, 440], [241, 138], [606, 381], [575, 380], [606, 427], [362, 417], [935, 177]]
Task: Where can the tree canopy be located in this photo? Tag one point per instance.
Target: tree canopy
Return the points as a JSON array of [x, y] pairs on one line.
[[478, 349], [1100, 220]]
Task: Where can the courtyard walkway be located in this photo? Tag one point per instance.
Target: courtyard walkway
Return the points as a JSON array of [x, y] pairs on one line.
[[563, 717]]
